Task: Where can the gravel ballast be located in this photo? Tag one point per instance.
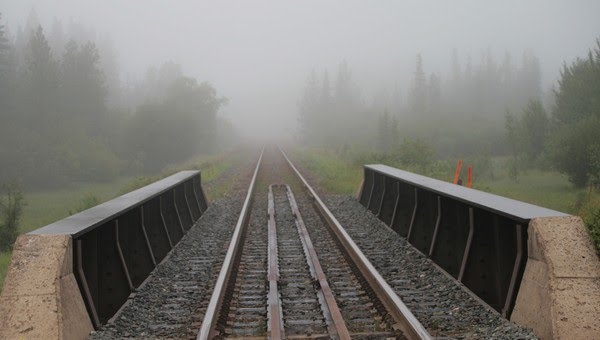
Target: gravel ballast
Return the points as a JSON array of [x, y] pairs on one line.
[[169, 301], [439, 303], [172, 301]]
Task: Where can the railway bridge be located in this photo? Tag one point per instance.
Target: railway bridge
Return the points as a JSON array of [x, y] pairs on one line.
[[409, 257]]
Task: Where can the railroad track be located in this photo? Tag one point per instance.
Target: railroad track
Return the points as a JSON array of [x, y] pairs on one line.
[[291, 270], [288, 269]]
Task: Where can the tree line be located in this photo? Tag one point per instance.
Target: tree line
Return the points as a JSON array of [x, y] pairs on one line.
[[66, 116], [576, 120], [478, 110], [482, 91]]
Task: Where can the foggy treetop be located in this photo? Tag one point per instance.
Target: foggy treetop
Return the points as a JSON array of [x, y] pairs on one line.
[[258, 53]]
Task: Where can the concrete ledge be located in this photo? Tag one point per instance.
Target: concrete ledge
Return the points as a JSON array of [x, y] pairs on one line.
[[559, 296], [40, 298]]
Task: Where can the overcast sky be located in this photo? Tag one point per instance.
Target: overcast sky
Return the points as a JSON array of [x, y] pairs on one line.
[[258, 53]]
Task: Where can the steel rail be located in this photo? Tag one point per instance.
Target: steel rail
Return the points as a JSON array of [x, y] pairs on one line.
[[331, 308], [207, 329], [274, 313], [404, 318]]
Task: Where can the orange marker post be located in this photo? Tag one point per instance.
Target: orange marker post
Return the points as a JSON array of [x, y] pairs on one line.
[[457, 173], [470, 177]]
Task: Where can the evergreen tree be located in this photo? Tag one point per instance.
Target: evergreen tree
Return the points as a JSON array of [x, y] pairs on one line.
[[387, 132], [578, 95], [577, 119], [345, 95], [512, 138], [531, 77], [434, 93], [309, 107], [325, 91], [418, 92], [535, 125], [383, 137], [4, 70], [41, 83], [57, 37], [4, 48], [31, 24], [83, 91], [456, 73]]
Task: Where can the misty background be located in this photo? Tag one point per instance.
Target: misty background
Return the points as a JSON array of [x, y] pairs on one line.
[[258, 54], [100, 93], [96, 91]]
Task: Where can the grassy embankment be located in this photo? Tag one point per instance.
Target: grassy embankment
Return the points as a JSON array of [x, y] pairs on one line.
[[45, 207], [544, 188]]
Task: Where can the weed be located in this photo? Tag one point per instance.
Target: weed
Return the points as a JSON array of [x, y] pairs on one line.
[[11, 209], [4, 262]]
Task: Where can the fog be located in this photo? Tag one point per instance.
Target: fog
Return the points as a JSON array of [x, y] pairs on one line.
[[258, 54]]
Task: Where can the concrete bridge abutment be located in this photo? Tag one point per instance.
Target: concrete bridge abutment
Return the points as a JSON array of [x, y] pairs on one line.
[[559, 297], [41, 299]]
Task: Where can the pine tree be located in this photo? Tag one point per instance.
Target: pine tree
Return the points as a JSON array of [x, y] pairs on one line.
[[383, 137], [345, 95], [387, 132], [325, 91], [4, 48], [83, 90], [309, 107], [578, 95], [57, 37], [418, 92], [535, 125], [435, 93], [577, 116], [5, 74], [456, 76], [531, 77], [41, 82]]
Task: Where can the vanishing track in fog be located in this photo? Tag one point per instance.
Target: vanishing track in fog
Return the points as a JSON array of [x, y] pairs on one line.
[[291, 275]]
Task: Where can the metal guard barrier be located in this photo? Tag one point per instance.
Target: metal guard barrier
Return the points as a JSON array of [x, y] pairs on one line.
[[478, 238], [118, 243]]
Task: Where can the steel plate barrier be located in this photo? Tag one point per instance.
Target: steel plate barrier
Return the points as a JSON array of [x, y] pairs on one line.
[[478, 238], [118, 243]]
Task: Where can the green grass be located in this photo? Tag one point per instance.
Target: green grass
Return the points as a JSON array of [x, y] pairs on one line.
[[211, 172], [45, 207], [212, 169], [544, 188], [330, 172], [4, 262]]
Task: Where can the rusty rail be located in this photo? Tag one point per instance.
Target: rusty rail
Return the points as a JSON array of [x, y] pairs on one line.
[[407, 322], [275, 313], [207, 330], [330, 308]]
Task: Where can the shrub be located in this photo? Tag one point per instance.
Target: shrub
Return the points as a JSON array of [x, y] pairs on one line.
[[593, 225], [11, 209], [575, 150], [589, 210]]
